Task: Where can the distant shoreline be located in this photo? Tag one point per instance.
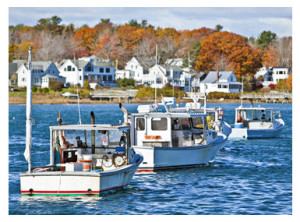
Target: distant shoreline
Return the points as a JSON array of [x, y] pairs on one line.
[[56, 99]]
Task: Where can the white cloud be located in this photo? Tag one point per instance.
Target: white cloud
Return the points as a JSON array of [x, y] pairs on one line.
[[245, 21]]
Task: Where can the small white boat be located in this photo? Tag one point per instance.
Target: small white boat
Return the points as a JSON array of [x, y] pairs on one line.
[[170, 140], [256, 122], [84, 159], [214, 115]]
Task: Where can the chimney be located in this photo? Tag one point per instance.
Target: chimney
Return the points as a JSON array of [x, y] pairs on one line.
[[217, 76]]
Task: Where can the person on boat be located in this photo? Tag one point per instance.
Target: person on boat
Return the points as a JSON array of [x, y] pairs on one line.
[[240, 119]]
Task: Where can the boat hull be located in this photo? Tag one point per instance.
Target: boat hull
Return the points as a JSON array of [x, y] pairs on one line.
[[61, 183], [244, 133], [166, 158]]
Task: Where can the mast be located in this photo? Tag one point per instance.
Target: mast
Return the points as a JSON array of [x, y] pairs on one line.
[[242, 91], [156, 76], [27, 152]]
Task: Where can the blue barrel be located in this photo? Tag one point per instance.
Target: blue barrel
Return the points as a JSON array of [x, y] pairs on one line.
[[238, 125]]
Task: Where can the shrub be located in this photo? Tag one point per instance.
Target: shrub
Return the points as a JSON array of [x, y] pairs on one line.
[[40, 90], [34, 89], [272, 86], [86, 84], [55, 85], [126, 82], [45, 90]]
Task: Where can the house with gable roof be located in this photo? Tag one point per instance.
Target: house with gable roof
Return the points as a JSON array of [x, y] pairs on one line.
[[159, 75], [133, 69], [93, 69], [219, 81], [39, 69]]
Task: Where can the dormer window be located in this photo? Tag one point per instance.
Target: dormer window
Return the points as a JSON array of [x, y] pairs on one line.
[[89, 68]]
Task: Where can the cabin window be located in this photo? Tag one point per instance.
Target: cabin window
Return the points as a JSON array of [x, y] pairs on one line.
[[198, 122], [159, 124], [181, 124], [140, 124]]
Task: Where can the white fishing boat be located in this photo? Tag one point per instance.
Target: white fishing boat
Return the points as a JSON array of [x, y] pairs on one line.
[[214, 115], [85, 159], [256, 122], [170, 140]]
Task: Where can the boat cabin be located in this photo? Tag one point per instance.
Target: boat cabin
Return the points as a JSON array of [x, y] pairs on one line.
[[89, 147], [254, 114], [170, 129]]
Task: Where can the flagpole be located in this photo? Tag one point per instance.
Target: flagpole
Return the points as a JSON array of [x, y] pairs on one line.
[[27, 152]]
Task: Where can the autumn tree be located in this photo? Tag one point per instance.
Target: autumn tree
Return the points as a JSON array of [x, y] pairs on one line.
[[289, 81], [107, 46], [86, 37], [231, 48]]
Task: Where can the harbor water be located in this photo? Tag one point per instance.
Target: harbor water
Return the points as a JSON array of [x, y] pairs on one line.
[[247, 177]]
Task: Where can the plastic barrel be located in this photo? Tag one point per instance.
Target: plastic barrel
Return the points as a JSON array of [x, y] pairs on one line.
[[86, 165], [238, 125]]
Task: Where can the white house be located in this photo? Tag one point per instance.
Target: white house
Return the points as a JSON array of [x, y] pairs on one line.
[[93, 69], [39, 69], [133, 69], [163, 74], [222, 81], [273, 75]]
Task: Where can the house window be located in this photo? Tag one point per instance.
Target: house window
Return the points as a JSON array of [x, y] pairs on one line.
[[92, 77], [65, 69], [36, 80], [159, 124], [23, 79], [109, 78], [140, 124], [79, 77], [107, 70], [101, 70], [69, 68], [53, 71], [219, 86], [89, 68], [73, 69], [280, 72], [225, 86], [104, 78], [79, 69]]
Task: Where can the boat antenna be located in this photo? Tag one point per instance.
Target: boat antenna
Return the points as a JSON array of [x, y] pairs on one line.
[[204, 99], [78, 95], [156, 76], [27, 153], [242, 91]]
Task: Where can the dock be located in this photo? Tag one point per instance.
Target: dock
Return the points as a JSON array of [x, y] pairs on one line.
[[110, 95], [275, 97]]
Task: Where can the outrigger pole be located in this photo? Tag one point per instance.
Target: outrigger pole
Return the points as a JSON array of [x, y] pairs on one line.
[[27, 152]]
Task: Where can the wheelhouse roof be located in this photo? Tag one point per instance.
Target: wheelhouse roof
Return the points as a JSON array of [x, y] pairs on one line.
[[165, 114], [91, 127], [253, 108]]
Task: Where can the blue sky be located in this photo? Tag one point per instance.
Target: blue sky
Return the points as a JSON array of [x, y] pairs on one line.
[[247, 21]]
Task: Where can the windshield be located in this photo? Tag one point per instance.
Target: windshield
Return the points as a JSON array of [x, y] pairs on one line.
[[197, 122]]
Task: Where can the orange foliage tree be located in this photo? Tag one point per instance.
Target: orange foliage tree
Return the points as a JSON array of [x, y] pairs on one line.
[[129, 36], [86, 37], [289, 81], [233, 48]]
